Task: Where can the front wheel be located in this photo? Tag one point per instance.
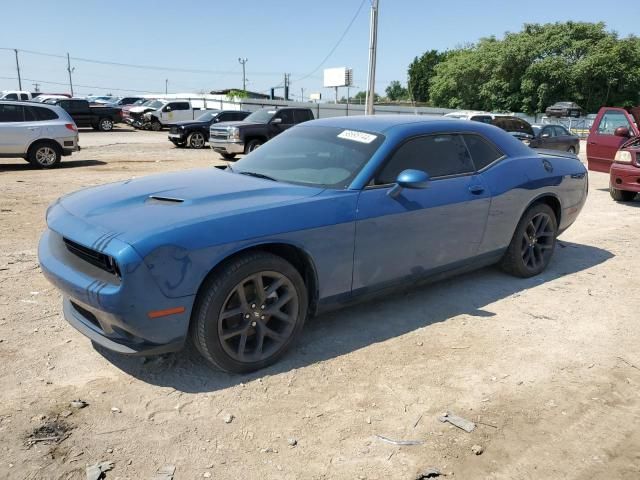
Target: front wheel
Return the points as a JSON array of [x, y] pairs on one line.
[[621, 195], [249, 313], [196, 140], [105, 125], [533, 242], [156, 126]]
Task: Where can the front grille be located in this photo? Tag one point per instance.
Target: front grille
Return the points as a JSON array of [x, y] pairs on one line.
[[218, 134], [173, 130], [86, 314], [97, 259]]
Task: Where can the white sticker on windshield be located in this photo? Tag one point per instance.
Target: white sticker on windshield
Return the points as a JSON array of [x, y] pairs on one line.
[[357, 136]]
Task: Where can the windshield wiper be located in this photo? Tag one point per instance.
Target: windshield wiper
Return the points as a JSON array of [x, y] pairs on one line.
[[258, 175]]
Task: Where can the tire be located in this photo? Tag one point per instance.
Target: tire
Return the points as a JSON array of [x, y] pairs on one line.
[[263, 337], [228, 156], [621, 195], [45, 154], [533, 242], [252, 145], [156, 126], [196, 140], [572, 150], [105, 124]]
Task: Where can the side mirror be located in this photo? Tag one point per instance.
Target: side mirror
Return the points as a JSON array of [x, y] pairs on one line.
[[167, 109], [276, 121], [415, 179], [622, 132]]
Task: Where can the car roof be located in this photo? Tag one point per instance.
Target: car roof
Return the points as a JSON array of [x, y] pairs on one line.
[[382, 123]]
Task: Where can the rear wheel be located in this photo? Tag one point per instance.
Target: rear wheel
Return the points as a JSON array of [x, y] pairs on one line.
[[621, 195], [249, 313], [45, 155], [533, 242], [572, 150], [196, 140], [252, 145]]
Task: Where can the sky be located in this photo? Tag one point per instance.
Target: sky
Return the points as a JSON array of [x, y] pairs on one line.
[[195, 45]]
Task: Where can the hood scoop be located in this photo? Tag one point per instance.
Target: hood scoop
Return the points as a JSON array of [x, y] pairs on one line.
[[161, 199]]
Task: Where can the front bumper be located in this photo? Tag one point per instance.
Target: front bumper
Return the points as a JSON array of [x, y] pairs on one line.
[[625, 177], [177, 137], [227, 146], [112, 311]]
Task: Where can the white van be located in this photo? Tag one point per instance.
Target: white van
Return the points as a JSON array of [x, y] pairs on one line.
[[15, 95]]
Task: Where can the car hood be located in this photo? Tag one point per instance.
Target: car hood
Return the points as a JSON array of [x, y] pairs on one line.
[[241, 123], [141, 109], [188, 123], [138, 208]]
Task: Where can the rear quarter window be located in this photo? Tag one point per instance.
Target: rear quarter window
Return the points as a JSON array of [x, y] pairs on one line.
[[44, 113], [483, 153]]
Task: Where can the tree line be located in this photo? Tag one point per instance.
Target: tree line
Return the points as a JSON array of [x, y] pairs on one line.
[[529, 70]]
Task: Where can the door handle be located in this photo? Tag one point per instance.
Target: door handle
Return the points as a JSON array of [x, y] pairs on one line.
[[33, 128], [476, 189]]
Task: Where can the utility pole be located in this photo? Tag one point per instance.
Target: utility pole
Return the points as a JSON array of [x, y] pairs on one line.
[[301, 94], [69, 69], [243, 61], [373, 43], [287, 77], [166, 86], [18, 68], [36, 86]]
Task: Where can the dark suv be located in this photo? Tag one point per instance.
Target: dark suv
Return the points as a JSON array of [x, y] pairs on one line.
[[231, 138]]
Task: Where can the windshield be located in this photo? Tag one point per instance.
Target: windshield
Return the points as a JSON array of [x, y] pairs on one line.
[[318, 156], [261, 116], [205, 117], [155, 104]]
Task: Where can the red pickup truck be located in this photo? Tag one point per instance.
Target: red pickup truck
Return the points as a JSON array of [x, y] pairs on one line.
[[613, 146]]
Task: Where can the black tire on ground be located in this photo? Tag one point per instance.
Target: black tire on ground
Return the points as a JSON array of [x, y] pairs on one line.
[[533, 242], [228, 156], [156, 126], [105, 124], [233, 331], [621, 195], [196, 140], [45, 154], [252, 145], [572, 150]]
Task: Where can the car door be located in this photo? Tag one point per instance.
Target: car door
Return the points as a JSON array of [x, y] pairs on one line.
[[547, 138], [602, 143], [79, 111], [420, 231], [287, 121], [564, 139], [15, 134]]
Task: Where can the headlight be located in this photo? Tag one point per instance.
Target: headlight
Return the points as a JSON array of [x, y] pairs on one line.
[[181, 127], [146, 115], [622, 156], [234, 133]]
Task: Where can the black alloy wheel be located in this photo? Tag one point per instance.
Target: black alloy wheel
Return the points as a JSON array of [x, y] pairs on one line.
[[250, 312], [533, 242]]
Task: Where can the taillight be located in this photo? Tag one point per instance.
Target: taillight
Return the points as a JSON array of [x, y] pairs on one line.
[[71, 126]]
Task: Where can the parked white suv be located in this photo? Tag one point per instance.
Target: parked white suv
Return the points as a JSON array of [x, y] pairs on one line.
[[41, 134]]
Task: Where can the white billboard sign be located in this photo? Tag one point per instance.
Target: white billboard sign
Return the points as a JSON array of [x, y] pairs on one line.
[[338, 77]]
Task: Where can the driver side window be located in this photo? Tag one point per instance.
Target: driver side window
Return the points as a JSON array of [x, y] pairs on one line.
[[286, 116], [437, 155]]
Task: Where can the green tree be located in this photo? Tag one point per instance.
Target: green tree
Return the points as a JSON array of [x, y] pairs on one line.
[[531, 69], [421, 70], [395, 91], [362, 95]]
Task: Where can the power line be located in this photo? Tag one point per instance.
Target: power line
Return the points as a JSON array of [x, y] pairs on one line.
[[336, 45], [78, 85]]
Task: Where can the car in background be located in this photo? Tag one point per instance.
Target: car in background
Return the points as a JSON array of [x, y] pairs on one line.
[[50, 98], [105, 99], [516, 126], [328, 212], [231, 138], [166, 111], [124, 101], [15, 95], [555, 137], [613, 146], [465, 114], [564, 109], [195, 133], [99, 117], [41, 134]]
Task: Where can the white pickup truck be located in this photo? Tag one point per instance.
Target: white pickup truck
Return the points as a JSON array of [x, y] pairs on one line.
[[160, 113], [15, 95]]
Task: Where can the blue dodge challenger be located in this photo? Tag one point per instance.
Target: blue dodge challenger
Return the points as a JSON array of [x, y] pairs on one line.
[[328, 212]]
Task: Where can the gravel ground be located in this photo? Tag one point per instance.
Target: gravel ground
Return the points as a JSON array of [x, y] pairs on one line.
[[547, 367]]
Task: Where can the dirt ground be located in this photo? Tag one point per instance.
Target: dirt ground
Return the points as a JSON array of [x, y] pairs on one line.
[[548, 367]]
